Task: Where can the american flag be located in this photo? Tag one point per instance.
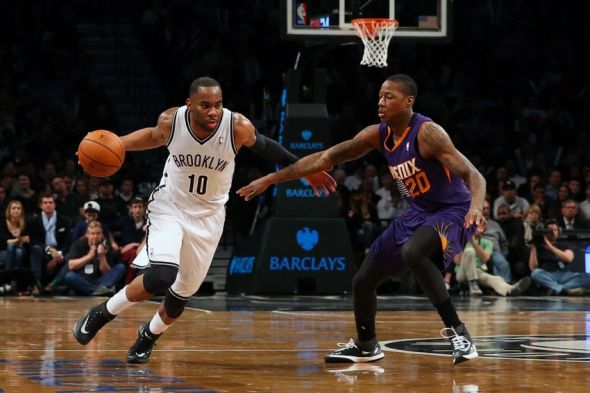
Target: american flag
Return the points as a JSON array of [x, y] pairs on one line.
[[428, 22]]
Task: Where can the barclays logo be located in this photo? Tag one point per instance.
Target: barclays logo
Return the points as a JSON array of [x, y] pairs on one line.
[[306, 143], [306, 135], [307, 239]]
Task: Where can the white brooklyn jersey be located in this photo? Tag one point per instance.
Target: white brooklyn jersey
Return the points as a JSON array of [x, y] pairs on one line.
[[198, 172]]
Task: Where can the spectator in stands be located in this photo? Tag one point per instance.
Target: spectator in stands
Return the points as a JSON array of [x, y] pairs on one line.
[[554, 206], [26, 195], [548, 260], [370, 172], [569, 216], [509, 197], [91, 213], [49, 242], [94, 267], [8, 182], [575, 187], [353, 181], [81, 188], [473, 267], [126, 190], [362, 221], [518, 253], [3, 201], [526, 190], [533, 217], [46, 174], [539, 198], [553, 183], [112, 207], [14, 249], [585, 206], [494, 232], [130, 231], [342, 193], [14, 237], [68, 204], [386, 184], [391, 204], [367, 188]]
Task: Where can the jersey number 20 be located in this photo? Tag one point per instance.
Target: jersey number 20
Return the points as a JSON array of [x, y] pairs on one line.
[[201, 184], [418, 184]]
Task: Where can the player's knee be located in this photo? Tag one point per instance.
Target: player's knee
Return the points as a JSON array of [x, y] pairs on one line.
[[158, 278], [410, 253], [174, 304]]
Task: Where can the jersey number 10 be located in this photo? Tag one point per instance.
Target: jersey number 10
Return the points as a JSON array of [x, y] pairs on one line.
[[201, 184]]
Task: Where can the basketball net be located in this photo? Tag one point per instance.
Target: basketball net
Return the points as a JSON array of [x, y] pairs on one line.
[[375, 34]]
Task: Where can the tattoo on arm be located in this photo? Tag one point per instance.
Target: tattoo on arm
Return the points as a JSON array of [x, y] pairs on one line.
[[436, 143], [347, 151]]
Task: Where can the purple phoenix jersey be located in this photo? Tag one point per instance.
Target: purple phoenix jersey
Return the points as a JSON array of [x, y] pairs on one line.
[[426, 184], [438, 199]]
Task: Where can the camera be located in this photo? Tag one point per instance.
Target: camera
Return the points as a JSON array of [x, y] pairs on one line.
[[106, 244], [538, 234]]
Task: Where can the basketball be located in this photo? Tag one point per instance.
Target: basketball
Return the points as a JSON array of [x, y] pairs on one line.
[[101, 153]]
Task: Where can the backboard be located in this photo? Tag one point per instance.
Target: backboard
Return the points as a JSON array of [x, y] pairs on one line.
[[330, 20]]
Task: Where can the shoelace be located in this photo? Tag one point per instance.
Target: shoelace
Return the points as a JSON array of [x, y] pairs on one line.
[[457, 341], [94, 320], [349, 344]]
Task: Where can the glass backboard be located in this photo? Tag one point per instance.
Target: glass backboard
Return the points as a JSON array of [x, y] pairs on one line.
[[331, 19]]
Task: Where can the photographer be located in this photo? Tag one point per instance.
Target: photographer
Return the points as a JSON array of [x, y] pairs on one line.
[[548, 259], [94, 265]]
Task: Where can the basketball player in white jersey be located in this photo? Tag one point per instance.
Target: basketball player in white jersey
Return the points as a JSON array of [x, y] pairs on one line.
[[186, 211]]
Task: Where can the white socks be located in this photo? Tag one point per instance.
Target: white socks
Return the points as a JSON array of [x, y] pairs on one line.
[[157, 326], [119, 302]]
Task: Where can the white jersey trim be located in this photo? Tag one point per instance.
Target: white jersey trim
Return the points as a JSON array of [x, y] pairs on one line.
[[232, 134], [172, 129], [194, 135]]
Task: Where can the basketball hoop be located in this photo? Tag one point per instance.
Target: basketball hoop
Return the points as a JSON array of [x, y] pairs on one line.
[[376, 34]]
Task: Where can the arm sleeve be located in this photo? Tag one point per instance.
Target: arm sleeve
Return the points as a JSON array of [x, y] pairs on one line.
[[272, 151]]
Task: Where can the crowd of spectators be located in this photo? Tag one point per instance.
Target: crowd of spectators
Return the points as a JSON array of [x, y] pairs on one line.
[[511, 91]]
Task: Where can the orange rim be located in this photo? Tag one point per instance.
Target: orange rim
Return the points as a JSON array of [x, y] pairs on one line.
[[370, 24]]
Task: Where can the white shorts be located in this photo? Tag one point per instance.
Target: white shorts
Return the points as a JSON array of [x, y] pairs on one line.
[[176, 239]]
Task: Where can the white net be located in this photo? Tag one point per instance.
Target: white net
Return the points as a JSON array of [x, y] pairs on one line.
[[375, 34]]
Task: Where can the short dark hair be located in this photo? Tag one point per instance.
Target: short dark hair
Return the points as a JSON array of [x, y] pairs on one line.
[[46, 195], [203, 81], [406, 83], [551, 221]]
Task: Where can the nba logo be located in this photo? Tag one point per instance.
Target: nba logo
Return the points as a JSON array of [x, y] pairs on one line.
[[301, 14]]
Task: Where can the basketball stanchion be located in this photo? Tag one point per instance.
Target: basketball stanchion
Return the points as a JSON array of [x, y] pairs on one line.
[[376, 34]]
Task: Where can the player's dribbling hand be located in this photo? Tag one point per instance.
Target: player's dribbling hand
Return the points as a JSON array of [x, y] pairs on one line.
[[255, 188], [320, 183], [475, 217]]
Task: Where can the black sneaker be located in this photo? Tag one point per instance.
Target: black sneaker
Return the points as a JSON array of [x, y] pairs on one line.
[[350, 353], [141, 350], [463, 347], [86, 328]]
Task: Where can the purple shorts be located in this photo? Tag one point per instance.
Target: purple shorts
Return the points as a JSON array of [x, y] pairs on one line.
[[448, 222]]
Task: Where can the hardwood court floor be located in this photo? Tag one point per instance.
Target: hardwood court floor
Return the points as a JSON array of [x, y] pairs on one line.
[[276, 344]]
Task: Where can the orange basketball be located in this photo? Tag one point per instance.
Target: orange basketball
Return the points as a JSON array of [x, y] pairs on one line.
[[101, 153]]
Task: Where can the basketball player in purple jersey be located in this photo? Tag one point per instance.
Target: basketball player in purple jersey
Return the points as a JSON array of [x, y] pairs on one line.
[[445, 192]]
